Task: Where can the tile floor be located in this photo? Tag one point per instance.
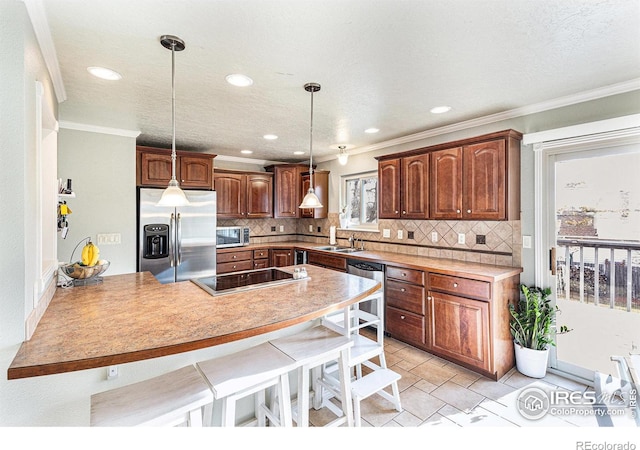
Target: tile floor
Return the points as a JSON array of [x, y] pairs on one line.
[[438, 393]]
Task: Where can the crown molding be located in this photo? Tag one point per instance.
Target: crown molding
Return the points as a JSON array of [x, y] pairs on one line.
[[38, 18], [593, 94], [259, 162], [98, 129]]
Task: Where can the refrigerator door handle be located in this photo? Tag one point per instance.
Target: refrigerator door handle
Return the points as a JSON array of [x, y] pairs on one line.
[[178, 241], [171, 239]]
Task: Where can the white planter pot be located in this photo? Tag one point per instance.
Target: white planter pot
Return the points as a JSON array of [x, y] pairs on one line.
[[532, 363]]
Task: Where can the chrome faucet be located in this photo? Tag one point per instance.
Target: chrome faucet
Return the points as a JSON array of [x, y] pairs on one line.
[[361, 244], [352, 240]]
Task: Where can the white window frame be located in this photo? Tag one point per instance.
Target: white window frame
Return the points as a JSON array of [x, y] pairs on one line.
[[357, 225]]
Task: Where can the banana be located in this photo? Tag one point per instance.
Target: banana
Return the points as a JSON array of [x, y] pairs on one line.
[[90, 254]]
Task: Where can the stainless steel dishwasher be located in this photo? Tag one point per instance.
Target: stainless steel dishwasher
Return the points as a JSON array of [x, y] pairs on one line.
[[366, 269]]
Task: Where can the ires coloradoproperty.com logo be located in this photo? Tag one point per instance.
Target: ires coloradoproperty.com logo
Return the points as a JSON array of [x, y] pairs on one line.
[[534, 403]]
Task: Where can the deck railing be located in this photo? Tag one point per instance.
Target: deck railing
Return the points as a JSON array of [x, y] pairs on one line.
[[604, 272]]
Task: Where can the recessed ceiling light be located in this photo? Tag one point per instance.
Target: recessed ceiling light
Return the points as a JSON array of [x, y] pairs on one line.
[[298, 153], [440, 109], [104, 73], [237, 79], [371, 130], [246, 152], [270, 137]]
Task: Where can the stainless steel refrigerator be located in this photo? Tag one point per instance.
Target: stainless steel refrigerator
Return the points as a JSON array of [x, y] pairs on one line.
[[177, 244]]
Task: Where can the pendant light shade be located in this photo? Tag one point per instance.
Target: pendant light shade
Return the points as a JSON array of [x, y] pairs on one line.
[[173, 195], [311, 200]]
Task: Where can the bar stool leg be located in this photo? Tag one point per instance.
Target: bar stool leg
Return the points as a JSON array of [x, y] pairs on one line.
[[284, 394], [345, 386]]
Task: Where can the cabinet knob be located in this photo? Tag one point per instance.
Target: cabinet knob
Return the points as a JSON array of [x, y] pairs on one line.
[[234, 256], [396, 212], [404, 274], [468, 211], [402, 290], [455, 284], [404, 212], [288, 254], [234, 267], [458, 211], [402, 317]]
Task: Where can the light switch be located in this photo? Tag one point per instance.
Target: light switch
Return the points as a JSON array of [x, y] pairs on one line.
[[386, 233], [434, 236], [461, 238], [526, 241], [400, 234], [281, 228], [310, 228]]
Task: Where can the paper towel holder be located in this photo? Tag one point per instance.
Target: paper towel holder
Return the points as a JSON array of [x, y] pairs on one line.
[[332, 235]]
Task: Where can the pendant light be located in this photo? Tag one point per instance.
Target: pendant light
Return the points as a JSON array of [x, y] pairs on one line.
[[311, 200], [173, 195], [343, 156]]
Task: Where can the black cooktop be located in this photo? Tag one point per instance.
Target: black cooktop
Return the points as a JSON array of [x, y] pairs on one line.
[[239, 281]]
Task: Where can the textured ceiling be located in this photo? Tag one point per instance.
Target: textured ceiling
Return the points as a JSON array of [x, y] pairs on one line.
[[381, 63]]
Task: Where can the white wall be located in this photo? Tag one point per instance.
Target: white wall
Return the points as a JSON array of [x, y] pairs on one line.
[[103, 170]]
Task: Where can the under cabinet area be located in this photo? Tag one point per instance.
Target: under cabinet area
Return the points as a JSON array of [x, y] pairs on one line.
[[327, 261], [154, 168]]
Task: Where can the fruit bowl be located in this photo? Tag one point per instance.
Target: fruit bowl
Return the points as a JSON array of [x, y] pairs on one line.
[[79, 272]]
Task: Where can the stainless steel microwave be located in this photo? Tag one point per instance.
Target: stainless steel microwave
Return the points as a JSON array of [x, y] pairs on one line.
[[232, 237]]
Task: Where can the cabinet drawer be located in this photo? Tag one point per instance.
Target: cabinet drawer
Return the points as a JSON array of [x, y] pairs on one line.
[[408, 275], [261, 253], [329, 261], [405, 326], [233, 266], [234, 256], [405, 296], [460, 286]]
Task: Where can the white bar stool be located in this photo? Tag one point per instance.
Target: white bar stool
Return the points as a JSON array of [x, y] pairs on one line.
[[167, 400], [311, 349], [248, 372]]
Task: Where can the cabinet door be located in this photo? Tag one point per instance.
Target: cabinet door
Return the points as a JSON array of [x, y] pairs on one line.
[[259, 196], [446, 184], [484, 181], [321, 188], [287, 186], [389, 189], [406, 326], [282, 257], [460, 328], [155, 169], [196, 172], [230, 188], [415, 187]]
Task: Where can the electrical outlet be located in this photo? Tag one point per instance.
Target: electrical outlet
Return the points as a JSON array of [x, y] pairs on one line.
[[310, 228], [410, 235], [461, 238], [526, 241], [112, 372], [273, 228], [319, 229], [481, 239], [434, 236], [386, 233], [281, 228], [400, 234]]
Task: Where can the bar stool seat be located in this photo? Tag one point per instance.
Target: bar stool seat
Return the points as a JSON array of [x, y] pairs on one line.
[[167, 400], [248, 372], [311, 349]]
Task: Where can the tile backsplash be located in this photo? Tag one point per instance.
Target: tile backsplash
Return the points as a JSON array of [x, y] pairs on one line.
[[502, 239]]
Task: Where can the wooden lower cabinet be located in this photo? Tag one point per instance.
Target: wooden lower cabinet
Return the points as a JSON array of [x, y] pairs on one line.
[[261, 258], [282, 257], [234, 261], [460, 318], [459, 328]]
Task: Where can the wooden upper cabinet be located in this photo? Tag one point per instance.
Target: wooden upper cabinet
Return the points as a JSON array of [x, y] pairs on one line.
[[484, 181], [259, 195], [243, 195], [321, 188], [286, 198], [415, 187], [230, 194], [389, 189], [446, 183], [193, 170]]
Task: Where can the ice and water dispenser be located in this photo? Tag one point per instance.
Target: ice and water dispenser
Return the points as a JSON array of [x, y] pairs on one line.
[[156, 241]]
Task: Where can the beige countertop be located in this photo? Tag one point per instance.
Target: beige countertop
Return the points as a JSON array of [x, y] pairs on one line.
[[478, 271], [133, 317]]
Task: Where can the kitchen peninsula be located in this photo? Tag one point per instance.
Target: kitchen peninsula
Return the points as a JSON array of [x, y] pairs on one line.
[[133, 317]]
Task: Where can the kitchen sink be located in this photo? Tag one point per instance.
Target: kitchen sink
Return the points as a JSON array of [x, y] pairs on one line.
[[337, 248]]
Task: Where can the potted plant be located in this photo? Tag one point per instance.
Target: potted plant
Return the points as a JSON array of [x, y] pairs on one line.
[[344, 220], [533, 327]]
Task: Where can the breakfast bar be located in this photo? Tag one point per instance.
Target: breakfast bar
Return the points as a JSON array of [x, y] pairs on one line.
[[133, 317]]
